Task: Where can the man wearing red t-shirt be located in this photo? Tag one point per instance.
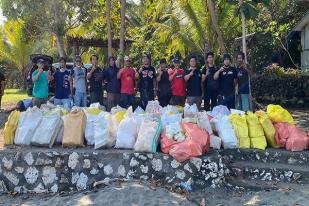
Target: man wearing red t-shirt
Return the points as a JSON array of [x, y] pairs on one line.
[[127, 81], [178, 83]]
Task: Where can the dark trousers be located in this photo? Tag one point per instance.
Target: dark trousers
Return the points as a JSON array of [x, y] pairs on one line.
[[210, 99], [127, 100], [96, 97], [227, 100], [112, 100], [145, 98], [164, 99], [178, 100]]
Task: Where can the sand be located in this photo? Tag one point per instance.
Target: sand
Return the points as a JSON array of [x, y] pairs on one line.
[[137, 193]]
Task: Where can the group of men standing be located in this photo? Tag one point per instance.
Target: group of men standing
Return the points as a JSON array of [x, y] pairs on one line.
[[173, 85]]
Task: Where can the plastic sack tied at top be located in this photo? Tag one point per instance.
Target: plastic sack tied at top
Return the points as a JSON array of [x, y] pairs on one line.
[[256, 132], [277, 114], [268, 127], [240, 126], [10, 128]]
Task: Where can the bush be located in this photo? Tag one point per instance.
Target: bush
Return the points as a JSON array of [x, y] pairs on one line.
[[286, 87]]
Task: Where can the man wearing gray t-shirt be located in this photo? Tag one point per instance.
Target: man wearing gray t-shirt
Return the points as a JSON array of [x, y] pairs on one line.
[[80, 84]]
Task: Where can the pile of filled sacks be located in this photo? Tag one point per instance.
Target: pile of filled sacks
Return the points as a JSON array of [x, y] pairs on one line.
[[182, 132], [274, 128]]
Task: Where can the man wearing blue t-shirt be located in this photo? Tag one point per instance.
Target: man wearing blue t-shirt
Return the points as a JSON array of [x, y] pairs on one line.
[[63, 85]]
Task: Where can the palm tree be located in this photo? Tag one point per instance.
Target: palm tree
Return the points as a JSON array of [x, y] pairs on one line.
[[14, 48], [122, 29], [215, 24], [248, 9], [109, 29]]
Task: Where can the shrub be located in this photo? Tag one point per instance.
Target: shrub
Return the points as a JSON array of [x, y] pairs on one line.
[[286, 87]]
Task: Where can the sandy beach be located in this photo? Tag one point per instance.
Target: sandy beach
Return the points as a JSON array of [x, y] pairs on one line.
[[135, 193]]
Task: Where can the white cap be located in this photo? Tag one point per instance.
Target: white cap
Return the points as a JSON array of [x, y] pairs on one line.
[[126, 58]]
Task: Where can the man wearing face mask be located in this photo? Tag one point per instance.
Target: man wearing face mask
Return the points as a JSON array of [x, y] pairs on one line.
[[227, 76]]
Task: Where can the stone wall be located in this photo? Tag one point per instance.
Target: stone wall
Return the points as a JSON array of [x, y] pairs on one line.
[[52, 170], [33, 169]]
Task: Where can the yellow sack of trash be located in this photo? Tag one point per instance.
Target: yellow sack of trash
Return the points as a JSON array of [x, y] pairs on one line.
[[10, 128], [240, 126], [256, 132], [74, 128], [119, 116], [277, 114], [93, 110], [268, 127]]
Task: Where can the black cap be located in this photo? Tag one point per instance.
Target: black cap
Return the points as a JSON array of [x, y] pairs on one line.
[[209, 54], [227, 56], [176, 60], [163, 61], [41, 61]]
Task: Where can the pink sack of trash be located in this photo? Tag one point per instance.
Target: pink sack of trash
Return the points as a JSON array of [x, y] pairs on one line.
[[291, 137], [197, 143]]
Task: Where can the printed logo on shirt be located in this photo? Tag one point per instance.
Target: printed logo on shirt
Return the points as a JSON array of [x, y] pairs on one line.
[[227, 73], [179, 75], [147, 73]]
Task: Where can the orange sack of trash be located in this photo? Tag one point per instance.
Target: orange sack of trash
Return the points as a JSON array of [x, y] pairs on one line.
[[291, 137], [197, 143], [74, 129], [166, 143]]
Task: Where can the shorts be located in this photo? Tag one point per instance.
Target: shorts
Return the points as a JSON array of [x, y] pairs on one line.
[[38, 101]]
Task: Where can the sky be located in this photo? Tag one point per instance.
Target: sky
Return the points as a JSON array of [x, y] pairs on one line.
[[2, 18]]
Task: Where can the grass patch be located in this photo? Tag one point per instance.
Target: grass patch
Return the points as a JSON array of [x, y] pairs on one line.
[[14, 95]]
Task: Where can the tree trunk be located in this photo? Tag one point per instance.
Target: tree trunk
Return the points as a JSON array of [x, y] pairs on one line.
[[243, 25], [109, 28], [60, 45], [211, 7], [24, 78], [122, 29]]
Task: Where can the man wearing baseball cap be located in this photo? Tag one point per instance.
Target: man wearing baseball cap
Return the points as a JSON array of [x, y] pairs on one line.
[[40, 87], [127, 78], [227, 76], [178, 84], [147, 81]]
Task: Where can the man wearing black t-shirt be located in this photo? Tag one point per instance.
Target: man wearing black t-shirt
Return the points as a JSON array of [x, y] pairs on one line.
[[147, 80], [227, 76], [243, 82], [95, 77], [211, 86], [164, 84], [193, 78]]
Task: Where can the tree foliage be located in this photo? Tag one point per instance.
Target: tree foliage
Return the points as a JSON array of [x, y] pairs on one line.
[[160, 28]]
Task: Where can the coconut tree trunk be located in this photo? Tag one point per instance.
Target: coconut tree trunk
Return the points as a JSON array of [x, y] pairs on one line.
[[243, 25], [214, 20], [109, 28], [122, 27], [60, 45]]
